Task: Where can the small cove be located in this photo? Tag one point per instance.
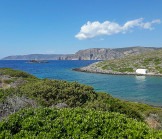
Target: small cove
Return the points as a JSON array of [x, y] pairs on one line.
[[134, 88]]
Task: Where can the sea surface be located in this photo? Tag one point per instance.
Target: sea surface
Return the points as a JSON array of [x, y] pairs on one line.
[[128, 87]]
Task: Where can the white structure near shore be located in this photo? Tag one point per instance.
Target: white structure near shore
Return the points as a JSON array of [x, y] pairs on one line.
[[141, 71]]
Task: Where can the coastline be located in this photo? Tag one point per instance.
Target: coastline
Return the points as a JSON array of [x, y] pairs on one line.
[[94, 69]]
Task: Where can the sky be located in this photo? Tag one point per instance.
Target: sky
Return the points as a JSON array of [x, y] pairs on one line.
[[66, 26]]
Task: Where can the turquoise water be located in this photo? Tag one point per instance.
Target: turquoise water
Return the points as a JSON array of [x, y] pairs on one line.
[[135, 88]]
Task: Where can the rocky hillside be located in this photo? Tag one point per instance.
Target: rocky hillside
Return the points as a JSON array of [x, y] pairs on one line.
[[88, 54], [152, 61], [107, 54]]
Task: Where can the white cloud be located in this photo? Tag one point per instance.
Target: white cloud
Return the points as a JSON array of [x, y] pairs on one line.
[[93, 29], [132, 24]]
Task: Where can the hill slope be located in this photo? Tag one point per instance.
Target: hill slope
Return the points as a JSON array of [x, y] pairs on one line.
[[108, 54], [152, 61]]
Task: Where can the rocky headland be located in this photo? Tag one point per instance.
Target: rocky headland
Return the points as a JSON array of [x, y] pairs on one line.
[[151, 61]]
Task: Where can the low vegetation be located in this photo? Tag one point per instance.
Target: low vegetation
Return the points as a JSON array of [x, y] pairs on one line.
[[30, 110], [150, 60], [73, 123], [14, 78], [50, 92], [15, 73]]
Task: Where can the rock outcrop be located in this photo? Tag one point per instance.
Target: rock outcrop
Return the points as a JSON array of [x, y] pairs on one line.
[[108, 54], [148, 63]]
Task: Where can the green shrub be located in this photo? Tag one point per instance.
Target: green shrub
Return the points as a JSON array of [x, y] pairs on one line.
[[8, 81], [126, 70], [5, 93], [105, 102], [15, 73], [73, 123], [51, 92]]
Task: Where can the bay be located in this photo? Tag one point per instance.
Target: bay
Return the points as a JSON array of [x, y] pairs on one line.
[[134, 88]]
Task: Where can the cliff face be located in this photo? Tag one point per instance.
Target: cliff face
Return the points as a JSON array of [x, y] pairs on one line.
[[97, 54], [107, 54], [88, 54]]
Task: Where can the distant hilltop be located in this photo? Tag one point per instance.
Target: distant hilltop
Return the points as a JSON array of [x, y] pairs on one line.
[[87, 54], [40, 57], [148, 63]]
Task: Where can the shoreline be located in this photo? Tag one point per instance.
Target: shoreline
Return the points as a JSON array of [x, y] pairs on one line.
[[100, 71], [132, 74]]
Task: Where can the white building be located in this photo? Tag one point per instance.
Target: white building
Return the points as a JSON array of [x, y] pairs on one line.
[[141, 71]]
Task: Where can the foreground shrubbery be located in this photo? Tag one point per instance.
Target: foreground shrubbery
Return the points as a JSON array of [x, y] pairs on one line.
[[105, 102], [51, 92], [73, 123], [90, 114], [15, 73]]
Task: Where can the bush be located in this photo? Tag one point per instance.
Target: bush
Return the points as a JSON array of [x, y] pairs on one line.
[[51, 92], [8, 81], [5, 93], [126, 70], [105, 102], [73, 123], [15, 73]]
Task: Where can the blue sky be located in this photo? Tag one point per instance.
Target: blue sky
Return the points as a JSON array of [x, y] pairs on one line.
[[54, 26]]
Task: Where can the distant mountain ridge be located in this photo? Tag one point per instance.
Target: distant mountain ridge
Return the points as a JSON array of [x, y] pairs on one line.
[[87, 54], [40, 57]]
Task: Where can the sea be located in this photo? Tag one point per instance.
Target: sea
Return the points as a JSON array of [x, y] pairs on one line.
[[143, 89]]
